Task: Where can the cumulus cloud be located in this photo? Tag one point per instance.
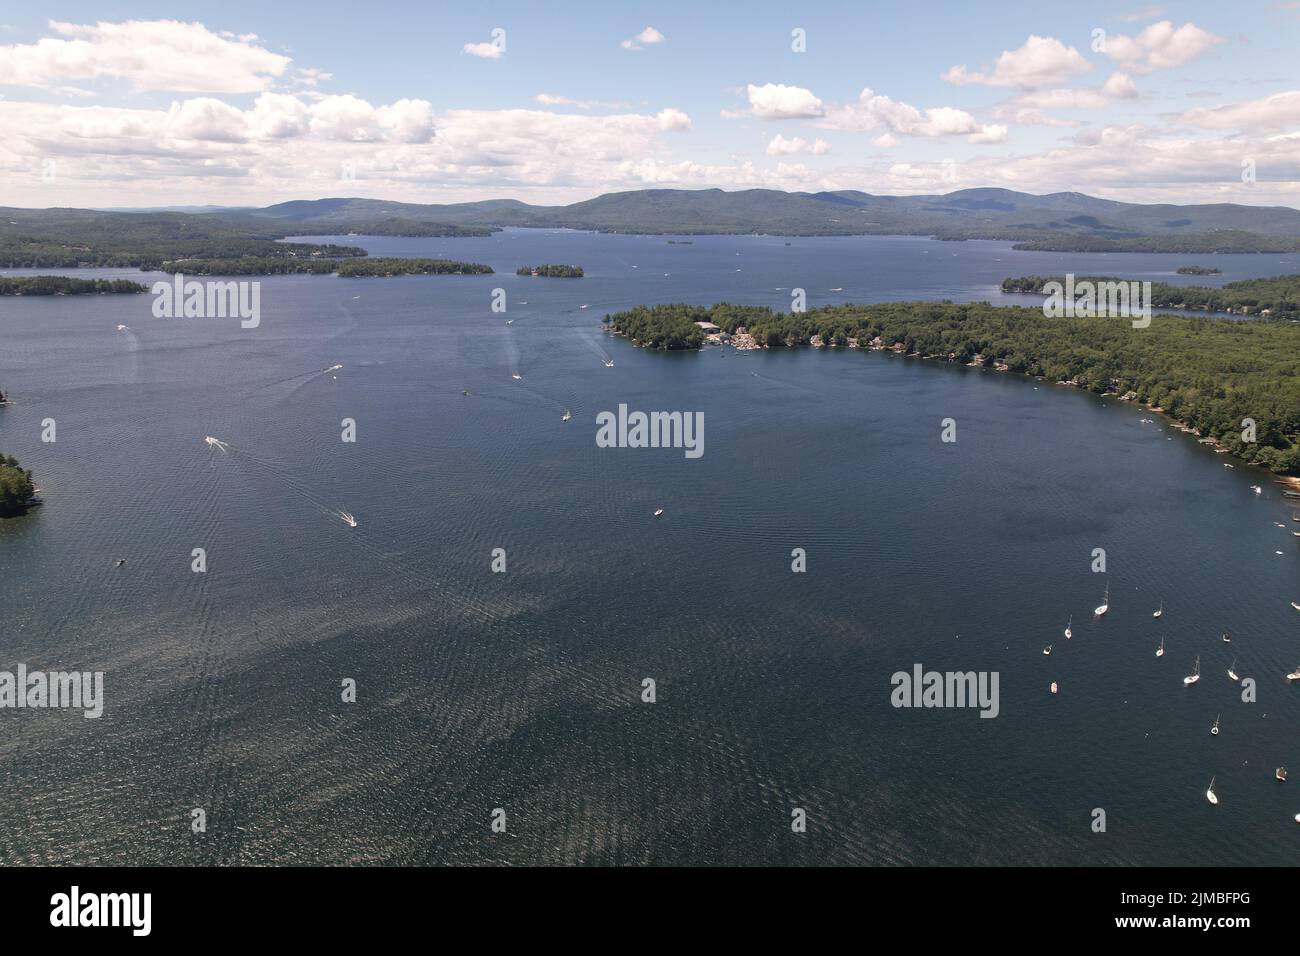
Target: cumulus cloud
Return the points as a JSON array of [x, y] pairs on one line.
[[490, 50], [777, 101], [1268, 113], [873, 111], [647, 37], [673, 119], [1041, 61], [780, 146], [150, 54], [1160, 46]]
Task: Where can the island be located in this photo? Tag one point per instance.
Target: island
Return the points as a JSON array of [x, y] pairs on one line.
[[1276, 298], [551, 271], [62, 285], [1198, 271], [17, 493], [1207, 374]]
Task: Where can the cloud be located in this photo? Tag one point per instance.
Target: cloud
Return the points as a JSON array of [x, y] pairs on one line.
[[673, 119], [1142, 13], [780, 146], [647, 37], [150, 54], [1161, 46], [1042, 61], [773, 101], [873, 111], [549, 99], [1268, 113], [490, 50]]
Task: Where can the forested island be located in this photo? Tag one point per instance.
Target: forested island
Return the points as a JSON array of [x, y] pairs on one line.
[[1276, 298], [1198, 271], [1207, 373], [62, 285], [16, 489], [553, 272], [354, 268]]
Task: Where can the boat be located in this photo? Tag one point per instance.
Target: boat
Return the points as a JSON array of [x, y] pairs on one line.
[[609, 364], [584, 306], [1069, 633], [510, 321], [122, 328], [1291, 494], [1227, 638], [1296, 606], [1160, 651], [1160, 610], [1215, 729], [567, 415], [1257, 489], [658, 512], [1053, 687], [1280, 774], [1295, 517], [119, 562], [350, 521], [1232, 670], [1211, 795], [1047, 649], [1294, 675], [516, 376], [1194, 676], [1105, 604]]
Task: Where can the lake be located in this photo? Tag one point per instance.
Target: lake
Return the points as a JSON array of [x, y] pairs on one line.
[[523, 690]]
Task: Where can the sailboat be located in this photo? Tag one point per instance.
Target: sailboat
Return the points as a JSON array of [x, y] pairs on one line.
[[658, 512], [516, 376], [1160, 651], [1280, 774], [609, 364], [1047, 649], [1054, 687], [1160, 610], [1211, 795], [1105, 604], [567, 415], [1215, 729], [1294, 675], [1069, 633], [1227, 638], [1232, 670], [1296, 606], [1194, 676]]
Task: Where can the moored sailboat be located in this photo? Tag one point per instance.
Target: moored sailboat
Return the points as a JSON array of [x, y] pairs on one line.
[[1194, 676], [1104, 606], [1210, 794]]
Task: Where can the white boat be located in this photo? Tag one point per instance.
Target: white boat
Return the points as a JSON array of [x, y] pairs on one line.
[[1047, 649], [1211, 795], [348, 519], [1296, 606], [609, 364], [1053, 687], [1215, 729], [584, 306], [516, 376], [1105, 604], [1194, 676], [510, 321], [1069, 633], [1227, 638], [1160, 651], [1257, 489], [1280, 774], [1294, 675], [121, 328], [567, 416], [658, 512], [1232, 670], [1159, 611]]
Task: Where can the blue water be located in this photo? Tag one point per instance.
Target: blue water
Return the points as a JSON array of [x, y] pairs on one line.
[[522, 690]]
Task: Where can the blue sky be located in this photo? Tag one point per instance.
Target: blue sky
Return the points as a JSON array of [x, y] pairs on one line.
[[233, 103]]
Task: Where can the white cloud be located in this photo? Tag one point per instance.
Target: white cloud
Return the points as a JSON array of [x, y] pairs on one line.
[[1042, 61], [484, 51], [647, 37], [1267, 113], [777, 101], [673, 119], [1119, 86], [150, 54], [873, 111], [780, 146], [1160, 46]]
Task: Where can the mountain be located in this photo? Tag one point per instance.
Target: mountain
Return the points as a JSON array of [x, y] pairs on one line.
[[1066, 221]]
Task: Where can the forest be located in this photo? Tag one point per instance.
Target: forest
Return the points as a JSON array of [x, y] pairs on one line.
[[1279, 295], [16, 488], [1209, 373], [551, 271], [62, 285]]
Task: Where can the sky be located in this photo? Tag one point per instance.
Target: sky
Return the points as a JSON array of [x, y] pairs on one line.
[[136, 104]]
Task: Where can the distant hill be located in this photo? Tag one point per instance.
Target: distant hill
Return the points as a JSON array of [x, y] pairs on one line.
[[1057, 221]]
